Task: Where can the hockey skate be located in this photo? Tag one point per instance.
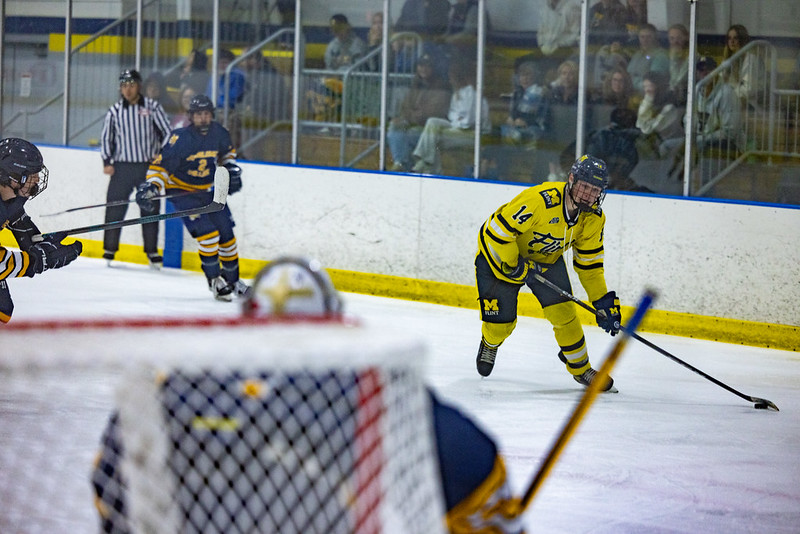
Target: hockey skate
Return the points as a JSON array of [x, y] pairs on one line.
[[108, 256], [155, 260], [221, 289], [240, 289], [586, 378], [485, 358]]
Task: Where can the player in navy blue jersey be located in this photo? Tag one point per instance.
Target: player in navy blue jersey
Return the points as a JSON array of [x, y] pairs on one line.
[[23, 175], [187, 163]]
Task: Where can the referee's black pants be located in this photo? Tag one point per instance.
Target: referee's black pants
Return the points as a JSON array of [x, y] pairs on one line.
[[122, 183]]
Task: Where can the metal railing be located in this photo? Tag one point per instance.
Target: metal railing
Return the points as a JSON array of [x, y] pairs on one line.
[[348, 102], [735, 112]]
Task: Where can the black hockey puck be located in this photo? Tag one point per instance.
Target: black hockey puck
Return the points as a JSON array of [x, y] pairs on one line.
[[761, 406]]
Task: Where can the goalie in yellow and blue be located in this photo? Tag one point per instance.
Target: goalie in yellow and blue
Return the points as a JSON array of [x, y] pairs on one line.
[[526, 238]]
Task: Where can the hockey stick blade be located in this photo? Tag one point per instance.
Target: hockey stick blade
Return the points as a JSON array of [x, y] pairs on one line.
[[588, 398], [221, 183], [760, 404], [117, 203]]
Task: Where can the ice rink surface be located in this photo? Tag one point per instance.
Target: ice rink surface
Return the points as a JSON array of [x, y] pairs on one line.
[[670, 453]]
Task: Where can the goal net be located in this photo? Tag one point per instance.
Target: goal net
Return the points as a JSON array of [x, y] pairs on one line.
[[215, 426]]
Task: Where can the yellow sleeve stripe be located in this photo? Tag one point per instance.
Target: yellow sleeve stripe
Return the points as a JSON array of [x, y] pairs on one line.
[[498, 232], [12, 264], [509, 228], [503, 240], [589, 259]]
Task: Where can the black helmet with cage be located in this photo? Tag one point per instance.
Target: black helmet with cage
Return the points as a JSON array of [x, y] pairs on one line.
[[22, 167], [200, 103], [594, 172], [197, 104]]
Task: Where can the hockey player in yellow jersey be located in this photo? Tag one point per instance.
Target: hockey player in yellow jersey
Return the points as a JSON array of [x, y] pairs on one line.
[[530, 235]]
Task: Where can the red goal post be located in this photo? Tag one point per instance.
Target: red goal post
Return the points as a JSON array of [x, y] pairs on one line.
[[221, 425]]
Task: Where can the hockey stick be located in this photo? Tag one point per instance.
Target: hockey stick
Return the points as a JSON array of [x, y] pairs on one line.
[[118, 203], [585, 403], [221, 182], [760, 404]]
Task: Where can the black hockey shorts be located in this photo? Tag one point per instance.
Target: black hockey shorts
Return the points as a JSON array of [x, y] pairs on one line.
[[498, 298]]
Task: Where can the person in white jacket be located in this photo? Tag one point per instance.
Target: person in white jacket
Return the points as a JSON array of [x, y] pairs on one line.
[[458, 129], [658, 118]]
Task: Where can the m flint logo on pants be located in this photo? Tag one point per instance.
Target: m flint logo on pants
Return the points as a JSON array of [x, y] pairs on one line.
[[490, 307]]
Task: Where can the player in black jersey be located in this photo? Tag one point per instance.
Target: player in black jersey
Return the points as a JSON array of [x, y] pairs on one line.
[[23, 175]]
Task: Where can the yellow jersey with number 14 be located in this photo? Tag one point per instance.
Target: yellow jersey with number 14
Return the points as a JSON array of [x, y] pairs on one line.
[[534, 225]]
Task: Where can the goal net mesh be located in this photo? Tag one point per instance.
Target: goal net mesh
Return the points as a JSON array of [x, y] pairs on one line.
[[215, 426]]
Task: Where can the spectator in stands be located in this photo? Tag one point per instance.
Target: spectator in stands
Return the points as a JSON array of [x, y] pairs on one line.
[[529, 109], [462, 26], [558, 33], [617, 91], [610, 57], [375, 39], [747, 73], [718, 111], [155, 88], [229, 94], [678, 37], [428, 18], [607, 20], [181, 120], [564, 89], [636, 18], [346, 47], [658, 118], [650, 56], [427, 97], [194, 72], [458, 128]]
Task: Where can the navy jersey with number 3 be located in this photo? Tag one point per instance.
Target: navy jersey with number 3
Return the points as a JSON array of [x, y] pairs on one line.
[[188, 159]]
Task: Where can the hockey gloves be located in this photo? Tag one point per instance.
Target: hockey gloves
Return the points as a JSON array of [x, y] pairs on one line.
[[235, 173], [523, 272], [49, 255], [145, 193], [608, 313]]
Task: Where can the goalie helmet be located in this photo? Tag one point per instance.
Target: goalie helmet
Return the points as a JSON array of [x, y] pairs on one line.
[[20, 162], [593, 171], [292, 287]]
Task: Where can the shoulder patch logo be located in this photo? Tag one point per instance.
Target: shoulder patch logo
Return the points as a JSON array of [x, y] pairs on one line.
[[172, 139], [554, 220], [552, 197]]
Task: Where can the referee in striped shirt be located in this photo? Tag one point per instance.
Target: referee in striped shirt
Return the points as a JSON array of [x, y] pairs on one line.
[[134, 129]]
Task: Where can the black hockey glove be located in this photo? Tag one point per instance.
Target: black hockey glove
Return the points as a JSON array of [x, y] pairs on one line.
[[48, 255], [518, 273], [533, 269], [145, 192], [235, 172], [608, 313]]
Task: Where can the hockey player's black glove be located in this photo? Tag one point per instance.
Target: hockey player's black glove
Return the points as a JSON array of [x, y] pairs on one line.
[[49, 255], [523, 272], [145, 192], [519, 272], [533, 269], [235, 172], [608, 313]]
